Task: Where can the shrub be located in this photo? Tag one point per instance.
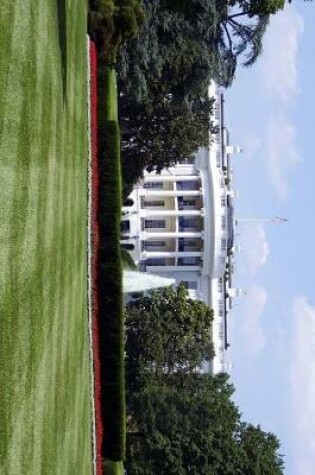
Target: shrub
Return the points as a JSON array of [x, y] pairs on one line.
[[113, 22]]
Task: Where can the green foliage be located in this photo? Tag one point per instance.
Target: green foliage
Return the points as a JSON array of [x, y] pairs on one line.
[[161, 132], [166, 70], [185, 44], [172, 52], [167, 333], [261, 451], [197, 429], [258, 7], [127, 260], [113, 22], [111, 322], [180, 420]]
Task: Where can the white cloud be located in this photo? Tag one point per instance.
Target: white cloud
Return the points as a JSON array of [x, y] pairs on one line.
[[282, 154], [279, 61], [252, 327], [303, 386], [256, 247]]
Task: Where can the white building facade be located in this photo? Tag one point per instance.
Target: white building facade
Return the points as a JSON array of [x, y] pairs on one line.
[[180, 224]]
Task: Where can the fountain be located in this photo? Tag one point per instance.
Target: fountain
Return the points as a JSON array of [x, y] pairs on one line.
[[134, 281]]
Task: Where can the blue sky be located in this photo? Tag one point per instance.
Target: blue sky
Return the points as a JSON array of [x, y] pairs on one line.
[[270, 112]]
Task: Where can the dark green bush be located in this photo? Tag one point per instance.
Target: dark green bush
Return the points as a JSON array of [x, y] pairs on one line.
[[112, 338], [112, 22], [110, 294]]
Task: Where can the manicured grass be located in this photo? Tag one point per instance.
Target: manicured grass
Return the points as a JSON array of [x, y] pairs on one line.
[[45, 414], [111, 316]]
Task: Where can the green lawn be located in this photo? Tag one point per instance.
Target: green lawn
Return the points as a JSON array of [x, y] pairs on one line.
[[45, 415]]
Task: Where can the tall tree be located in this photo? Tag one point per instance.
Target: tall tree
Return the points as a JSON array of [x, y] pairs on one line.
[[184, 44], [261, 451], [167, 333], [162, 132], [112, 22], [173, 54], [197, 429]]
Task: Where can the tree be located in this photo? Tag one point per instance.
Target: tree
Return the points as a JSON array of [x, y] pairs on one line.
[[172, 52], [112, 22], [184, 44], [243, 24], [261, 451], [197, 429], [167, 333], [162, 132], [258, 7]]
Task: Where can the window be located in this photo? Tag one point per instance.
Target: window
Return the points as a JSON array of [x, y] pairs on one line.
[[189, 160], [125, 226], [191, 284], [155, 262], [128, 246], [153, 204], [187, 244], [223, 244], [188, 222], [184, 203], [220, 285], [154, 223], [153, 184], [149, 244], [188, 185], [218, 157], [129, 202], [223, 222], [188, 261]]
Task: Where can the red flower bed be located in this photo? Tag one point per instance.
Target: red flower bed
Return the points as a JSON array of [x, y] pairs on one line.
[[95, 257]]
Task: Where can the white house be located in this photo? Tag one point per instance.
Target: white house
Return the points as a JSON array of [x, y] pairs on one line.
[[180, 224]]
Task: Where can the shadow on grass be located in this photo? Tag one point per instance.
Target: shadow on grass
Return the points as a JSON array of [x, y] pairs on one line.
[[62, 38]]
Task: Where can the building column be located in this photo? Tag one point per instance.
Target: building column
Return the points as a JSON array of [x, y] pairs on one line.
[[147, 236], [152, 213], [166, 254], [170, 178], [168, 193], [160, 269]]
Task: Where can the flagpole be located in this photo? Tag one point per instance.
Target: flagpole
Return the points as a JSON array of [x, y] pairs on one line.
[[275, 220]]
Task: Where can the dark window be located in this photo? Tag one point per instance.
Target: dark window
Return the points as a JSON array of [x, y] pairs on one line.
[[187, 185], [155, 262], [152, 204], [191, 284], [188, 261], [128, 202], [153, 184], [191, 223], [184, 203], [125, 226], [186, 244], [154, 223], [128, 246], [149, 244]]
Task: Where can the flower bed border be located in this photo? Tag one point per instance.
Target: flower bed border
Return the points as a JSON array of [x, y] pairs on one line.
[[95, 250]]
